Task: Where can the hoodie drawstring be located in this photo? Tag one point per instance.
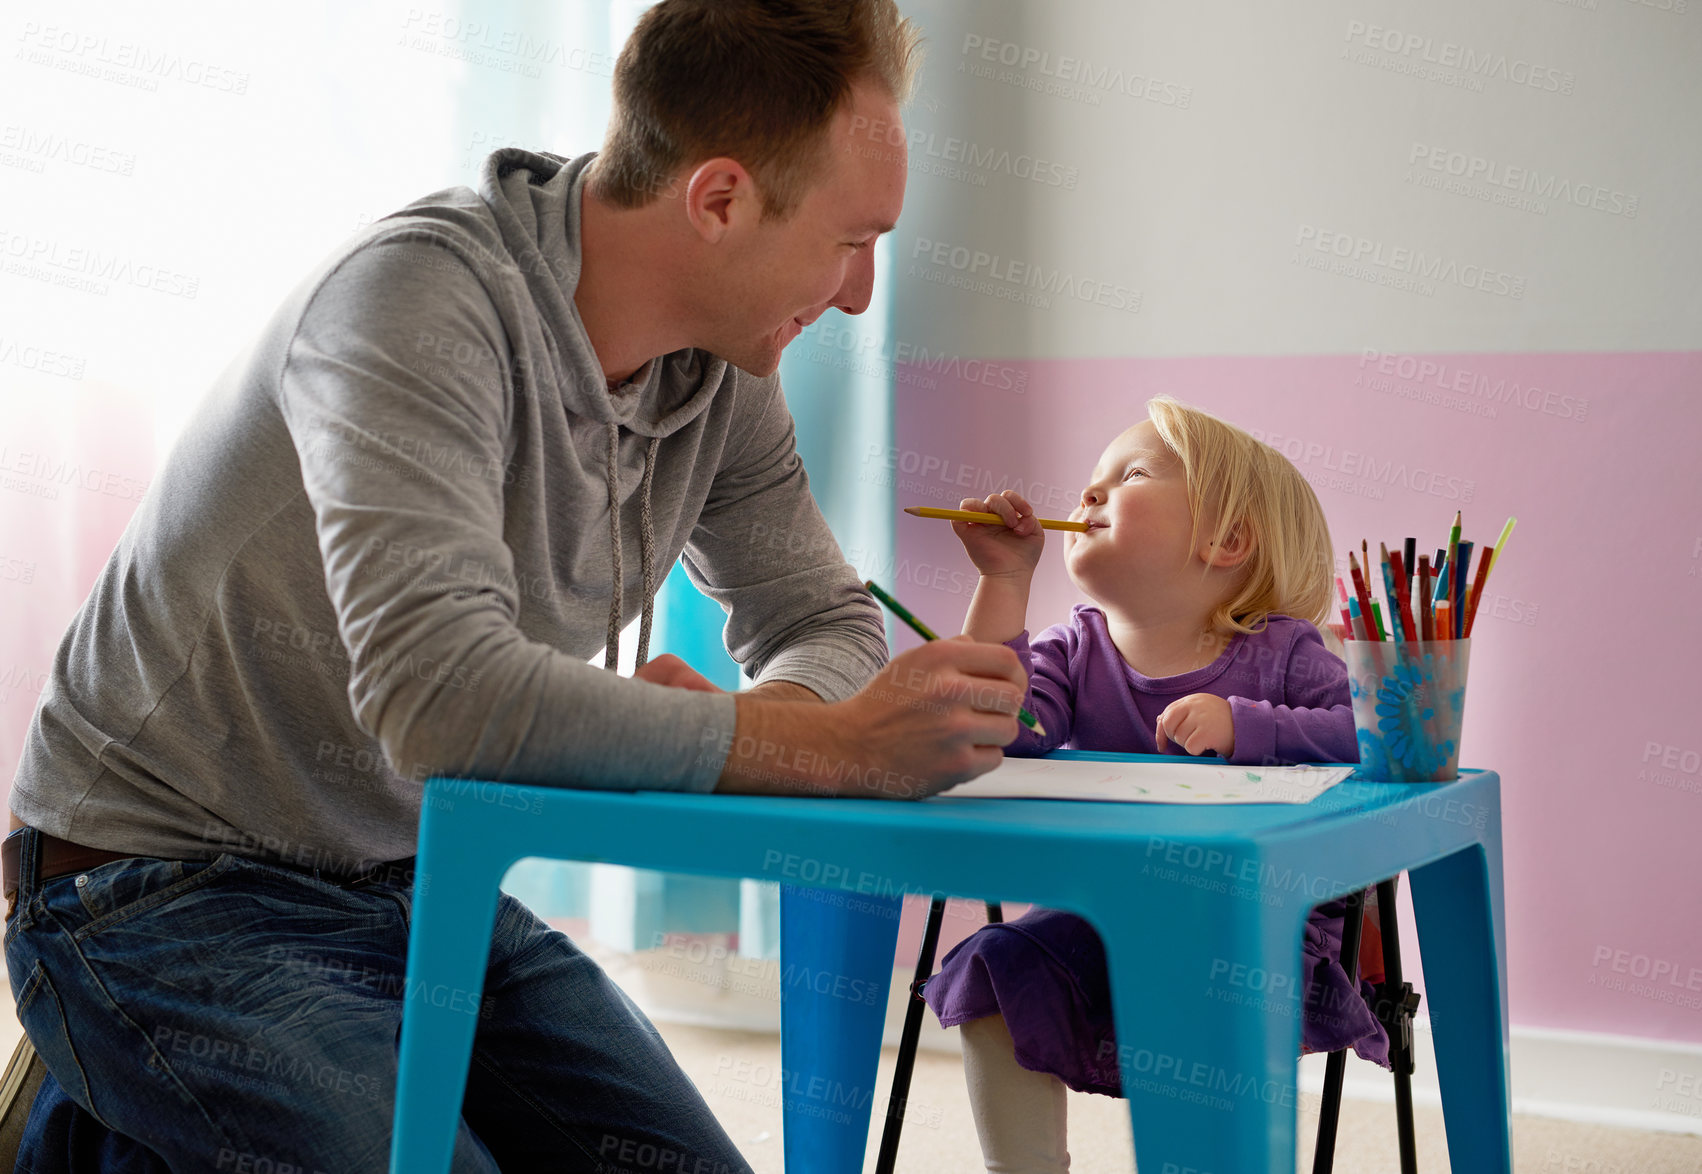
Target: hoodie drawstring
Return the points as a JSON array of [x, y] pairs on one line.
[[647, 550]]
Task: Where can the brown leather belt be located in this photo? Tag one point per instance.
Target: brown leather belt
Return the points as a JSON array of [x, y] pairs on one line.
[[54, 857]]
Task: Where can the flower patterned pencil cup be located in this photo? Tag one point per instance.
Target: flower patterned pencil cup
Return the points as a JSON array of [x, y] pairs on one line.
[[1408, 702]]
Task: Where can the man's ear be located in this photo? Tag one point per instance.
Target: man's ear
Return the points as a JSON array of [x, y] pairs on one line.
[[1231, 550], [721, 197]]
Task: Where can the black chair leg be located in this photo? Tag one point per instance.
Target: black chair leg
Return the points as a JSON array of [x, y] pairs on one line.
[[1396, 1003], [1329, 1109], [907, 1042], [906, 1064]]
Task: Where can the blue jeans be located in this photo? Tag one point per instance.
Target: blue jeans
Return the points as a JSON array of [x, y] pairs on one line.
[[231, 1015]]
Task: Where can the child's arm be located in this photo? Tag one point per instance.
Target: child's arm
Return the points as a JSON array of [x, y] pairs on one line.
[[998, 610], [998, 613], [1317, 727], [1006, 557]]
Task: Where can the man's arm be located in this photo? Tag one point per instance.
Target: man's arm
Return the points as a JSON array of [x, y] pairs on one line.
[[396, 448], [784, 691], [796, 610]]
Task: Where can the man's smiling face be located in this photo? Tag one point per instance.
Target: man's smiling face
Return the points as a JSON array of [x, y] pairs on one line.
[[784, 274]]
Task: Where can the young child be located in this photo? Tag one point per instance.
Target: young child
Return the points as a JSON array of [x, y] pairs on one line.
[[1210, 562]]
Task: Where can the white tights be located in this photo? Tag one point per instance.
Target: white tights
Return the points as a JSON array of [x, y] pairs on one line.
[[1019, 1115]]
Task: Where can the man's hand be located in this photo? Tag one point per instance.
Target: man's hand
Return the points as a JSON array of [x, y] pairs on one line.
[[934, 717], [1197, 723], [670, 670]]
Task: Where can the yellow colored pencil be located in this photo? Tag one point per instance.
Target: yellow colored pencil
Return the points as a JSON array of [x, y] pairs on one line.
[[928, 511]]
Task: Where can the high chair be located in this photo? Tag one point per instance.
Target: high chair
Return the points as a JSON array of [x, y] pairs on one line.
[[1377, 951]]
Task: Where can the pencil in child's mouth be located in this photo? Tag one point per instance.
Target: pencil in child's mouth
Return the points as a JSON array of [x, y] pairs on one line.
[[925, 511]]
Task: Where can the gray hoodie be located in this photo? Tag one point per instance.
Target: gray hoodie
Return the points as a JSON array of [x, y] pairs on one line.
[[388, 542]]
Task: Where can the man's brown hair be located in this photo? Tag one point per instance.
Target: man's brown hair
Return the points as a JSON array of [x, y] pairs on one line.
[[754, 80]]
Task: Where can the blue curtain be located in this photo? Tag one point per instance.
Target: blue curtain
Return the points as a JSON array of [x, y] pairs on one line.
[[839, 382]]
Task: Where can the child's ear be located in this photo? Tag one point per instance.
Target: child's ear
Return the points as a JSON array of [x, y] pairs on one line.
[[1231, 550]]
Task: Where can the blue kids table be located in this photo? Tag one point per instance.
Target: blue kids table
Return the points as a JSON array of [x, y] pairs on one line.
[[1201, 909]]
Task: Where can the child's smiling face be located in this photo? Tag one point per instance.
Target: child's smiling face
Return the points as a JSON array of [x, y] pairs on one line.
[[1137, 505]]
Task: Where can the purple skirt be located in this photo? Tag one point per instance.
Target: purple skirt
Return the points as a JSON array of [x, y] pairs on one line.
[[1045, 973]]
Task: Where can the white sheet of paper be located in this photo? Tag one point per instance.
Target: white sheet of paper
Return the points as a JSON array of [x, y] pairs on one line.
[[1149, 782]]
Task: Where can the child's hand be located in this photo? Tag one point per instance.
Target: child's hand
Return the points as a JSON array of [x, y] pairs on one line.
[[1013, 548], [1197, 723]]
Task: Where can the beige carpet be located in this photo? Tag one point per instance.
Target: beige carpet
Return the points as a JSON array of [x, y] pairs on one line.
[[739, 1075]]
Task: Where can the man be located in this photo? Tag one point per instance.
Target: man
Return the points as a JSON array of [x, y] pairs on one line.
[[459, 456]]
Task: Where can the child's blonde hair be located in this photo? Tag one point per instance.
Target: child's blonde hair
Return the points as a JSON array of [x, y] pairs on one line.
[[1237, 481]]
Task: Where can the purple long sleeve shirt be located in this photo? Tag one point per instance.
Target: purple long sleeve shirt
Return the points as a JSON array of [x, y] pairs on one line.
[[1045, 971], [1287, 693]]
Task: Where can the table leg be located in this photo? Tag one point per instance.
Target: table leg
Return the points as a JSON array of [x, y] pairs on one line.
[[454, 912], [1458, 905], [1207, 990], [836, 957]]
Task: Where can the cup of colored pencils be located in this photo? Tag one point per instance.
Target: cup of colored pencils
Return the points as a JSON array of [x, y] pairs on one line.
[[1408, 652]]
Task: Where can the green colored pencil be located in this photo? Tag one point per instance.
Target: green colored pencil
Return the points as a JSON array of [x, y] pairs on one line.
[[1501, 542], [927, 633], [1456, 577]]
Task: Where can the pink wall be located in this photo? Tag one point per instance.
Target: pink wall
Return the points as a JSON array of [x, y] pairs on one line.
[[71, 472], [1583, 693], [1602, 783]]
